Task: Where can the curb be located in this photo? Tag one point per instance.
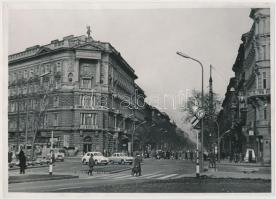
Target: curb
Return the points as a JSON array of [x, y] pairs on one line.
[[247, 165], [33, 167], [42, 179]]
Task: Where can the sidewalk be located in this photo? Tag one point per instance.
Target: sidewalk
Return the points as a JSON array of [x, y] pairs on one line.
[[38, 177], [226, 162], [236, 175]]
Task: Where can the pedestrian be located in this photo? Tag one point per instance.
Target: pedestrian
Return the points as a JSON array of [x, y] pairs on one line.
[[22, 162], [137, 164], [91, 164]]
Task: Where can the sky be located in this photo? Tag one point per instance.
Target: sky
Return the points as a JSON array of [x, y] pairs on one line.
[[148, 40]]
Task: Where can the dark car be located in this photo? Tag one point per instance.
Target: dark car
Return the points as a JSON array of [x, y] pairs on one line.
[[160, 154]]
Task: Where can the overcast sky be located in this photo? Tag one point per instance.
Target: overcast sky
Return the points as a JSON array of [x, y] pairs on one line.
[[148, 40]]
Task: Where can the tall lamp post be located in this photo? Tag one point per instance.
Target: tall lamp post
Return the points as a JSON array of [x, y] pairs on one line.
[[218, 141], [202, 104]]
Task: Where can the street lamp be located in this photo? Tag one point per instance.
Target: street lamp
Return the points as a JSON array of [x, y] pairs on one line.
[[202, 104], [218, 147]]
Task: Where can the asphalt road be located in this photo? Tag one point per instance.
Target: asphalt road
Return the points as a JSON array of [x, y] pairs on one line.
[[153, 172]]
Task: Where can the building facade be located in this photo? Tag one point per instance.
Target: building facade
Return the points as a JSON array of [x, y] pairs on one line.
[[250, 99], [79, 89]]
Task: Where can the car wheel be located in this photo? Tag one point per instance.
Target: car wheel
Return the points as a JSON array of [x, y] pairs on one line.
[[130, 163]]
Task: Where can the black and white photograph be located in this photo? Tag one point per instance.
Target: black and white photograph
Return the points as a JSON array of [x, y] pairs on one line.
[[138, 98]]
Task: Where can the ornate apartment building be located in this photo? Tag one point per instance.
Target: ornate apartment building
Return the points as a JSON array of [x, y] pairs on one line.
[[248, 96], [80, 89]]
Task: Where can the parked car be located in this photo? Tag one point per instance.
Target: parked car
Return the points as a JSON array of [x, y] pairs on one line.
[[59, 155], [160, 154], [98, 158], [13, 163], [120, 158]]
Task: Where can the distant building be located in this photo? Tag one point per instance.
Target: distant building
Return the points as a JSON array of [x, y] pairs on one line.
[[248, 96]]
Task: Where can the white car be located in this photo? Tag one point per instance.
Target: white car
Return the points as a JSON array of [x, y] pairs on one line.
[[120, 158], [97, 156]]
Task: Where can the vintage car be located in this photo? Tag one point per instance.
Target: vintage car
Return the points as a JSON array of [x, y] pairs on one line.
[[97, 156], [120, 158]]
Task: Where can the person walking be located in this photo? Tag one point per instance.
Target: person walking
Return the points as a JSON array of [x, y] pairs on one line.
[[91, 164], [137, 163], [22, 161]]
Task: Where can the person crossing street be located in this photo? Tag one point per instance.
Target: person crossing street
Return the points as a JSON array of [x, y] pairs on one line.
[[91, 164]]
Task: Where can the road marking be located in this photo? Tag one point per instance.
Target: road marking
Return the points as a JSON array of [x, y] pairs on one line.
[[143, 176], [153, 176], [112, 176], [180, 176], [125, 176], [165, 177]]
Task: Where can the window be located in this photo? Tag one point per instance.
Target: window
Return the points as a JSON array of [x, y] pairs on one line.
[[58, 66], [24, 90], [25, 74], [57, 83], [70, 77], [86, 83], [31, 73], [55, 123], [20, 75], [265, 114], [264, 80], [48, 68], [87, 101], [42, 70], [14, 76], [56, 101], [88, 118], [45, 120]]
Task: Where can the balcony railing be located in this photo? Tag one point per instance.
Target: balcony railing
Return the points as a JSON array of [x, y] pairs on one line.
[[86, 126], [259, 92]]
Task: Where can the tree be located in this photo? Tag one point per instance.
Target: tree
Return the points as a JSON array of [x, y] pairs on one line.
[[192, 105]]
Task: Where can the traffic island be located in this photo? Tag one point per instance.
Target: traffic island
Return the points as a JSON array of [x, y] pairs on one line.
[[38, 177]]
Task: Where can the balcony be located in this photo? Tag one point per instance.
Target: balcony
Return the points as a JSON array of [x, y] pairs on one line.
[[259, 93], [88, 126]]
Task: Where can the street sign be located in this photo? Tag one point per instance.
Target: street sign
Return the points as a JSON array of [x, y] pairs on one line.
[[251, 132], [194, 121]]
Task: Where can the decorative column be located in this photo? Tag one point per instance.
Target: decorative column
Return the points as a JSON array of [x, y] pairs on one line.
[[98, 72]]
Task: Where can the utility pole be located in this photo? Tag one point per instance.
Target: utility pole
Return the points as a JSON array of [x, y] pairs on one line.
[[211, 109], [18, 123], [51, 155]]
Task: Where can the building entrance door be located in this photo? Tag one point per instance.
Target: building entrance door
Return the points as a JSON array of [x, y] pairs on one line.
[[87, 144], [87, 147]]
